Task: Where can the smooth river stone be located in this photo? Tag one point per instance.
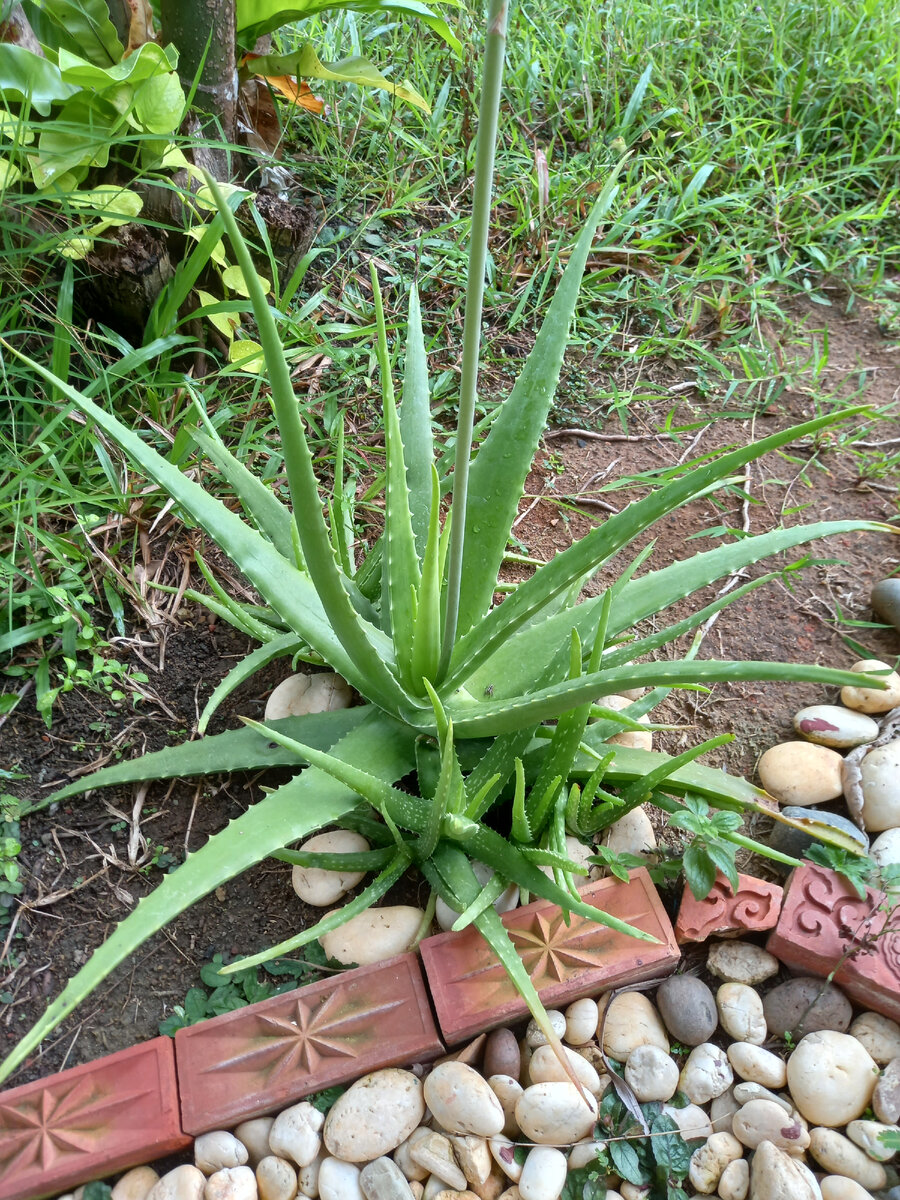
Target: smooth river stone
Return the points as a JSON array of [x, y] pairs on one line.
[[706, 1074], [374, 935], [301, 694], [760, 1121], [735, 1181], [834, 726], [839, 1156], [135, 1184], [886, 1097], [880, 1036], [382, 1179], [867, 1135], [688, 1008], [741, 1013], [555, 1113], [461, 1101], [839, 1187], [339, 1180], [505, 902], [276, 1178], [231, 1183], [501, 1054], [543, 1175], [535, 1036], [632, 834], [631, 1021], [218, 1149], [545, 1067], [880, 771], [831, 1077], [753, 1063], [885, 601], [800, 773], [775, 1175], [651, 1074], [710, 1160], [741, 962], [806, 1005], [323, 888], [375, 1115], [886, 848], [581, 1021], [295, 1133], [181, 1183], [873, 700], [255, 1136]]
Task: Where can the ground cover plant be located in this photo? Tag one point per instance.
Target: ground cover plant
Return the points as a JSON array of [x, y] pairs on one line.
[[456, 687]]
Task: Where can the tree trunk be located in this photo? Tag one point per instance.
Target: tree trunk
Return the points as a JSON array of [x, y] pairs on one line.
[[204, 32], [16, 30]]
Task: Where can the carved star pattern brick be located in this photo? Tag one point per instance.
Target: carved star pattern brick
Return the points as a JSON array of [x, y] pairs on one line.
[[824, 924], [89, 1121], [472, 992], [259, 1058]]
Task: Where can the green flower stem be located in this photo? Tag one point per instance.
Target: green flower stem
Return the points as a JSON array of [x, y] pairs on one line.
[[488, 114]]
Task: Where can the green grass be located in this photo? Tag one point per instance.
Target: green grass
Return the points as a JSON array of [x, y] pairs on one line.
[[765, 144]]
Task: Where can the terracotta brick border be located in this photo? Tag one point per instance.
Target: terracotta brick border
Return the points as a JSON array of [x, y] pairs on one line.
[[90, 1121], [565, 959], [825, 925], [755, 908], [259, 1059]]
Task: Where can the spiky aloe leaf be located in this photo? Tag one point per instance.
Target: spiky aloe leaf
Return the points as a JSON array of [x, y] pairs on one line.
[[293, 811], [497, 476], [278, 647], [415, 424], [480, 718], [598, 546], [234, 750]]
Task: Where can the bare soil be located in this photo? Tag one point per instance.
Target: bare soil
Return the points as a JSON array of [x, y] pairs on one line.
[[79, 880]]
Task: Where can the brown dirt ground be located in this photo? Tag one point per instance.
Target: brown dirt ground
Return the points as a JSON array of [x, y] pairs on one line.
[[78, 881]]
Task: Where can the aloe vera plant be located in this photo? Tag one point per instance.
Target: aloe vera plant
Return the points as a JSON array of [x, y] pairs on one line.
[[455, 689]]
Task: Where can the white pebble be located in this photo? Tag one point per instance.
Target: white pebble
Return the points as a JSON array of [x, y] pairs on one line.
[[543, 1175], [231, 1183], [276, 1178], [757, 1065], [705, 1074], [295, 1134], [218, 1149], [651, 1074], [873, 700], [581, 1021], [339, 1180], [741, 1014], [555, 1113], [535, 1036], [462, 1102]]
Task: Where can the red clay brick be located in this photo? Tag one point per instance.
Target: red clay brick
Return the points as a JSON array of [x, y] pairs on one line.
[[755, 908], [824, 923], [472, 992], [260, 1058], [90, 1121]]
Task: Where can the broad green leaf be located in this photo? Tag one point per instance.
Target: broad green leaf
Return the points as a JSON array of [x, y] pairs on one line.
[[246, 354], [108, 201], [415, 425], [159, 103], [290, 813], [15, 129], [497, 476], [81, 26], [147, 61], [9, 174], [258, 17], [598, 546], [79, 137], [358, 70], [28, 78], [233, 278], [225, 322]]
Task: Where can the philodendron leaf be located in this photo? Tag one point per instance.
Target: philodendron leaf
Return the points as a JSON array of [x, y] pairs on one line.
[[305, 63], [28, 78], [258, 17], [290, 813]]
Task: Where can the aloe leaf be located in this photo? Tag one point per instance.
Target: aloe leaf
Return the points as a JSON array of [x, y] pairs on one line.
[[426, 646], [484, 718], [278, 647], [415, 425], [412, 813], [234, 750], [270, 516], [293, 811], [497, 476], [290, 592], [607, 539], [238, 616], [379, 886], [371, 675]]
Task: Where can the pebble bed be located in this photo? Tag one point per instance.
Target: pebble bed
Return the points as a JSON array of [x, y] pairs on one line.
[[781, 1092]]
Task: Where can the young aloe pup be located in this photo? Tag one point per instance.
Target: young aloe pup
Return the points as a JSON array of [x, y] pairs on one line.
[[457, 692]]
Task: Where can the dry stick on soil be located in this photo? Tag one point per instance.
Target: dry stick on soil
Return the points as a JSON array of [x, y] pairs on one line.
[[591, 435]]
